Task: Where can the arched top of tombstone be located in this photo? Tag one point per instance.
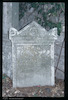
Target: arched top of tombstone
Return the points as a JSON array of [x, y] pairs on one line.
[[33, 33]]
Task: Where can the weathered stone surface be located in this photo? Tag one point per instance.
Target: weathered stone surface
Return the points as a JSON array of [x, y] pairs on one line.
[[6, 42], [6, 19], [10, 19], [33, 55], [60, 38], [61, 64], [15, 15], [7, 64], [7, 60], [58, 43], [57, 50], [6, 49], [55, 60], [63, 52], [64, 46], [60, 75], [32, 65]]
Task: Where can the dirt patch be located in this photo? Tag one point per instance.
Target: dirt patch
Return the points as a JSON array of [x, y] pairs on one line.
[[35, 91]]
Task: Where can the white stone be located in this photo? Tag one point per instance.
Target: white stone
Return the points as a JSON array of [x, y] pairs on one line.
[[33, 55]]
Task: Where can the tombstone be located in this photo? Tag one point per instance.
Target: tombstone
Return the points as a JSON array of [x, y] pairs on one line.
[[33, 55]]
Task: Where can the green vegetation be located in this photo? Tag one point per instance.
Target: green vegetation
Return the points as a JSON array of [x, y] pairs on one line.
[[51, 12]]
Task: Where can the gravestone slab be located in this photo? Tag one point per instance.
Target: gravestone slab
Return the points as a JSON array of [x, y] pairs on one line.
[[33, 55]]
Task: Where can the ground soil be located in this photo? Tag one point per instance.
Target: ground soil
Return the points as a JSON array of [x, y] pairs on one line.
[[35, 91]]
